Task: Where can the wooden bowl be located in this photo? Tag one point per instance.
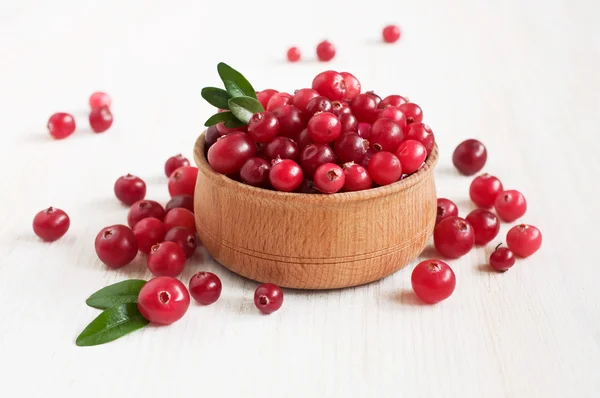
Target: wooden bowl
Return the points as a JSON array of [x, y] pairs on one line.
[[313, 241]]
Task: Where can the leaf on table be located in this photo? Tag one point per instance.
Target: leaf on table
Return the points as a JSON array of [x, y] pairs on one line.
[[118, 293], [111, 324]]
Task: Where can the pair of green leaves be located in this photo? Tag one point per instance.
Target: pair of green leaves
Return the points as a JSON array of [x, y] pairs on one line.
[[120, 316], [239, 98]]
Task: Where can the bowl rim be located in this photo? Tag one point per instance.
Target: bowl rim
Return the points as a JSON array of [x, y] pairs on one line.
[[386, 190]]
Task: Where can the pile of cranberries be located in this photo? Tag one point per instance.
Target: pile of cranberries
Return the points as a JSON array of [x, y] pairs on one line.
[[328, 138], [61, 124]]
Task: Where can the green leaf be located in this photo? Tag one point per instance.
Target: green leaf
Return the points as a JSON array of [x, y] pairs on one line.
[[235, 83], [232, 124], [111, 324], [216, 97], [219, 117], [244, 107], [118, 293]]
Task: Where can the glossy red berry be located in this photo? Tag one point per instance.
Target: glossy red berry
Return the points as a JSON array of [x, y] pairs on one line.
[[268, 298], [386, 135], [205, 287], [325, 51], [376, 97], [469, 157], [350, 147], [317, 104], [283, 148], [433, 281], [510, 205], [223, 130], [263, 127], [291, 121], [144, 209], [412, 154], [293, 54], [329, 178], [303, 139], [51, 224], [264, 96], [395, 114], [364, 130], [129, 189], [485, 225], [324, 128], [445, 208], [166, 259], [185, 238], [422, 133], [392, 100], [502, 259], [278, 100], [255, 172], [313, 156], [384, 168], [285, 175], [100, 119], [453, 237], [330, 84], [228, 154], [339, 108], [364, 107], [524, 240], [149, 232], [348, 122], [180, 217], [352, 85], [357, 178], [116, 246], [100, 100], [175, 162], [61, 125], [303, 96], [211, 136], [184, 201], [412, 111], [163, 300], [484, 190], [391, 34], [183, 180], [367, 159]]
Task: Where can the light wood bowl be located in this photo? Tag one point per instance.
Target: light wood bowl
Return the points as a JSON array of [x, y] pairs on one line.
[[314, 241]]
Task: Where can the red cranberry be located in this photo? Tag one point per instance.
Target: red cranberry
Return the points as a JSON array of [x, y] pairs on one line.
[[307, 186], [510, 205], [228, 130], [469, 157], [325, 51], [364, 107], [395, 114], [180, 217], [263, 127], [144, 209], [303, 96], [183, 180], [412, 154], [350, 147], [278, 100], [329, 178], [211, 136], [116, 246], [184, 201], [303, 139], [51, 224], [484, 190], [285, 175], [349, 122], [412, 111], [163, 300], [524, 240], [313, 156], [255, 172], [364, 130], [100, 100], [264, 96], [340, 108], [324, 128], [129, 189], [268, 298], [293, 54], [100, 119], [230, 153], [61, 125], [502, 259], [453, 237], [433, 281], [175, 162], [205, 287], [166, 259], [445, 208], [317, 104], [149, 232], [185, 238], [392, 100], [291, 121], [367, 159], [391, 34], [422, 133], [352, 85], [357, 178], [375, 97], [330, 84], [282, 147], [386, 135], [485, 225], [384, 168]]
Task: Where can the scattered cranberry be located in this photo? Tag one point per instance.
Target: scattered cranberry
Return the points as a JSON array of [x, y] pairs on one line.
[[149, 232], [329, 178], [116, 246], [412, 154], [386, 135], [144, 209], [264, 96], [453, 237], [51, 224], [502, 259], [100, 100], [185, 238], [180, 217], [445, 208], [315, 155], [352, 85], [129, 189], [166, 259], [385, 168], [422, 133], [350, 147], [391, 34], [364, 107], [357, 178], [510, 205], [485, 225], [433, 281], [61, 125], [211, 136], [228, 155], [524, 240], [268, 298], [223, 130], [205, 287], [263, 127], [303, 96], [364, 130], [484, 190], [469, 157], [255, 172], [330, 84], [317, 104], [175, 162], [324, 128], [348, 122], [283, 148], [325, 51], [392, 100], [291, 121], [163, 300], [278, 100], [285, 175], [395, 114], [412, 111], [184, 201], [100, 119], [293, 54], [183, 180], [303, 139]]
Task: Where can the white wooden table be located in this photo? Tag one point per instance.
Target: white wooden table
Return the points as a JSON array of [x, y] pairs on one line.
[[521, 76]]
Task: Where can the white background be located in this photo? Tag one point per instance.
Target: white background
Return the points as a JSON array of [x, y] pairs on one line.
[[523, 76]]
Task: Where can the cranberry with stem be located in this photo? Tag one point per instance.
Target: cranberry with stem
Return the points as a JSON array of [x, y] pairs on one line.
[[329, 178], [255, 172], [340, 108], [228, 154], [100, 119], [282, 148], [412, 154], [524, 240], [325, 51], [386, 135], [144, 209], [268, 298], [205, 287], [324, 128], [469, 157], [175, 162], [185, 238], [315, 155], [484, 190], [183, 201], [163, 300], [263, 126], [180, 217], [357, 178], [330, 84], [51, 224], [149, 232], [412, 111], [453, 237], [293, 54], [183, 180], [445, 208], [510, 205], [502, 259], [129, 189], [61, 125], [166, 259], [485, 225], [116, 246], [350, 147], [285, 175], [384, 168], [433, 281]]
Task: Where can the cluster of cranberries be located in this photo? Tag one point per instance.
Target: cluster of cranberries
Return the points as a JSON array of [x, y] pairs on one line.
[[61, 125], [327, 138]]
